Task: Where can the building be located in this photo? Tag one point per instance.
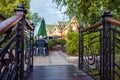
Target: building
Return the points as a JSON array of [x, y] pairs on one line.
[[72, 25], [63, 28]]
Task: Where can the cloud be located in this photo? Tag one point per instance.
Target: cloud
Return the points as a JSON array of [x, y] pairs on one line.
[[46, 9]]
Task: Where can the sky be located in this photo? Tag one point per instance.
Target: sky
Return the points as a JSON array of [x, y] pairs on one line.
[[48, 10]]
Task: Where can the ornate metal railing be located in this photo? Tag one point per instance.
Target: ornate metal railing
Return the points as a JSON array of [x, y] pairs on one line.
[[99, 49], [16, 46]]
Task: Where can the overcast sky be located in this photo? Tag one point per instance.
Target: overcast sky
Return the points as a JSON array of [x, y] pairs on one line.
[[48, 10]]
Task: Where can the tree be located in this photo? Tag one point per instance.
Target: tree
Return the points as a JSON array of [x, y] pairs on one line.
[[89, 11], [7, 6], [35, 18]]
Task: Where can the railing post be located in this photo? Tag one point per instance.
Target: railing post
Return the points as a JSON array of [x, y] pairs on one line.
[[105, 63], [31, 49], [20, 42], [32, 38], [81, 48]]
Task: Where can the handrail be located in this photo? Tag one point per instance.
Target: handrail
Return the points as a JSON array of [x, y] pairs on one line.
[[28, 25], [2, 17], [8, 23], [96, 46], [97, 24], [111, 20], [15, 32], [26, 29]]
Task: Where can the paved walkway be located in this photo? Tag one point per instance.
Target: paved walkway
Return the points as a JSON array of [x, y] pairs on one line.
[[55, 58], [55, 67]]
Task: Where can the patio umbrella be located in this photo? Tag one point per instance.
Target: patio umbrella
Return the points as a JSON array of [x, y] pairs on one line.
[[42, 29]]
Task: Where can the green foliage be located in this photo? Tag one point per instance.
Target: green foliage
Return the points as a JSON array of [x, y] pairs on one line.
[[35, 18], [72, 43], [7, 6], [89, 11], [51, 43], [61, 42], [92, 43]]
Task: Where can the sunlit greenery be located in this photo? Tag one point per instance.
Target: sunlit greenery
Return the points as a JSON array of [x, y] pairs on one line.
[[92, 43], [72, 43], [89, 11], [7, 7]]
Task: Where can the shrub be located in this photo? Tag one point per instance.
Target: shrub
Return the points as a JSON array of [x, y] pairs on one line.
[[72, 43], [51, 43], [61, 42]]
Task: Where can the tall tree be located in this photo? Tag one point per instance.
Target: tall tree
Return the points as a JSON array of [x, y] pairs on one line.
[[7, 6], [35, 19], [88, 11]]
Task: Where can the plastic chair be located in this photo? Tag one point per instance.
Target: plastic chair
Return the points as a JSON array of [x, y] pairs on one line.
[[41, 47]]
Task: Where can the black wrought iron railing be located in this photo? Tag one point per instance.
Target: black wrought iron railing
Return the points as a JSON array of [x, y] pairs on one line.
[[99, 48], [16, 46]]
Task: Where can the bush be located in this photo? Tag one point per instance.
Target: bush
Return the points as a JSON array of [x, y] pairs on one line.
[[51, 43], [61, 42], [72, 43]]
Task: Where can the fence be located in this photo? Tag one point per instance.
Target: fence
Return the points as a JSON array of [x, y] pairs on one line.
[[99, 48], [16, 46]]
